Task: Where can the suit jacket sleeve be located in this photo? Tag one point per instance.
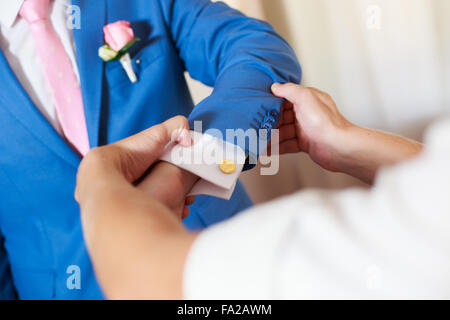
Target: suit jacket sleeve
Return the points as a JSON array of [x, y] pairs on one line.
[[239, 56]]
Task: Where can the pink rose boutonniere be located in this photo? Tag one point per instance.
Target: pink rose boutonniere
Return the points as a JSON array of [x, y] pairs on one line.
[[119, 38]]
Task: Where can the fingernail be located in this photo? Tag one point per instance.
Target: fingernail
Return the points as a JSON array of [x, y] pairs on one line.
[[185, 138], [275, 85]]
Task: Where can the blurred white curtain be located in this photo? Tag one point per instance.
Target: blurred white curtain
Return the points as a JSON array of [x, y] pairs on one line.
[[386, 63]]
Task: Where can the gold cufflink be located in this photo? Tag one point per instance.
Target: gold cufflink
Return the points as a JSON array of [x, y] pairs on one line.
[[228, 166]]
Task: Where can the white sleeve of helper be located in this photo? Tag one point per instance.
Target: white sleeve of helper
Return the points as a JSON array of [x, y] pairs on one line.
[[391, 242]]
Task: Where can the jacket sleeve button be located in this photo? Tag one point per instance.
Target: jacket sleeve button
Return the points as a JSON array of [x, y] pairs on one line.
[[275, 114], [267, 126]]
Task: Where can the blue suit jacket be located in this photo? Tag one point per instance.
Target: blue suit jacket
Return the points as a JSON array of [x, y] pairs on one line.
[[40, 231]]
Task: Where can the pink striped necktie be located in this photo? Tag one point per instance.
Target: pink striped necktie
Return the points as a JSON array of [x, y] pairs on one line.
[[59, 73]]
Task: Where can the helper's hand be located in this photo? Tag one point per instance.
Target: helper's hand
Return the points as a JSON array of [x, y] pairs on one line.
[[170, 184], [128, 160], [131, 237], [313, 124]]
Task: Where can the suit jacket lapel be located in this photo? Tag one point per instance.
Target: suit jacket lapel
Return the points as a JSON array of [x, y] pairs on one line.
[[88, 39], [19, 105]]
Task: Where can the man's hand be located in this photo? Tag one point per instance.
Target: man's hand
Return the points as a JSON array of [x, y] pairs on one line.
[[312, 123]]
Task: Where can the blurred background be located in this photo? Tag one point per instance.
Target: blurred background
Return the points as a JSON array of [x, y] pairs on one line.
[[385, 62]]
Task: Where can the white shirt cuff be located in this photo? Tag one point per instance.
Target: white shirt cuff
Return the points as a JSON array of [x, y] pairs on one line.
[[204, 159]]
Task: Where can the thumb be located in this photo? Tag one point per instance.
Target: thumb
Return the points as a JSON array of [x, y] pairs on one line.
[[288, 91], [143, 149]]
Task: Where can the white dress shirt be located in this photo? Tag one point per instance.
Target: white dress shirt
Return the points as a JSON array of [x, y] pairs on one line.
[[390, 242], [19, 48]]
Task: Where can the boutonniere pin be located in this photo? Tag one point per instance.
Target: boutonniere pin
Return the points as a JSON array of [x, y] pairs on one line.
[[119, 38]]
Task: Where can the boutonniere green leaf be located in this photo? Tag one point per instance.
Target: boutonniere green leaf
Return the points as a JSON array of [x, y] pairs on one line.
[[119, 38], [108, 54]]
